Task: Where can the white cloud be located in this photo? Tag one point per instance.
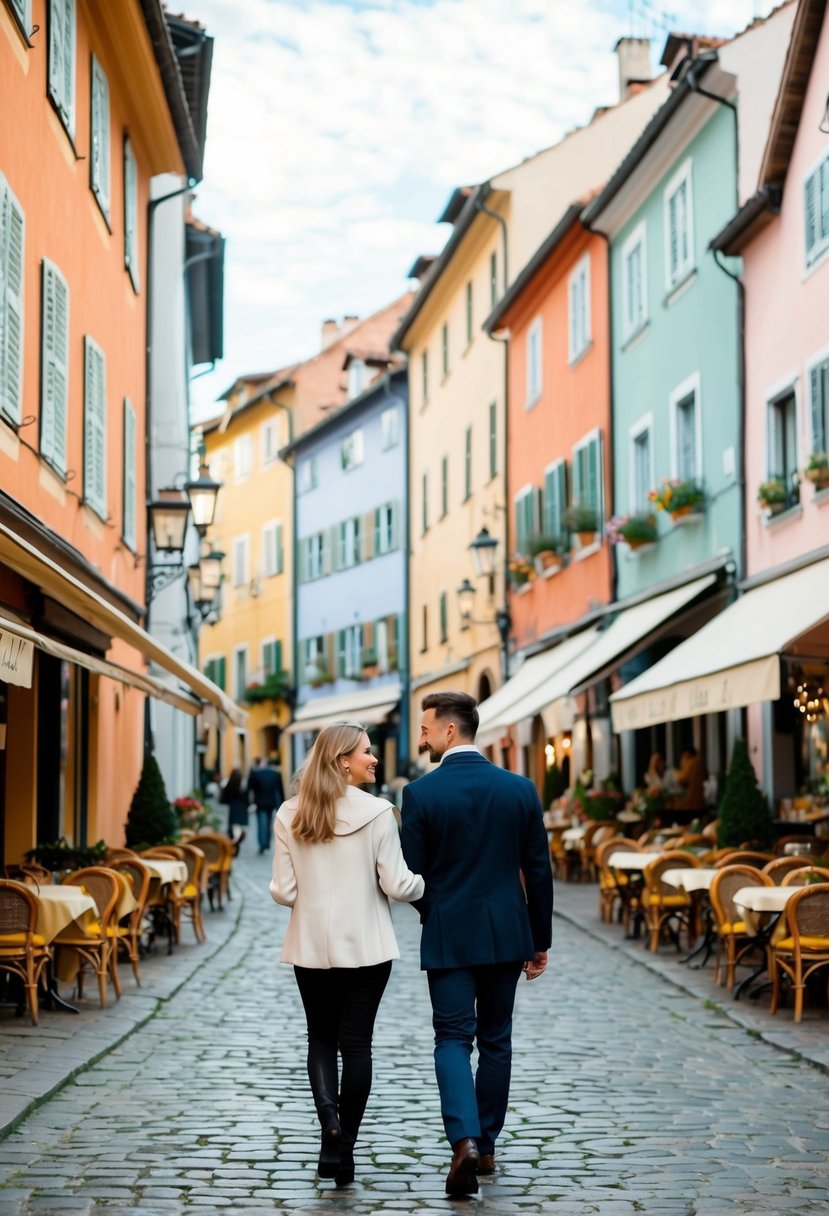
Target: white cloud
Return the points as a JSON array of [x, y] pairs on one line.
[[337, 130]]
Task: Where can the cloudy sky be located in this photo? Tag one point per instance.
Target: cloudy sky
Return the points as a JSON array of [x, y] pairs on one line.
[[338, 128]]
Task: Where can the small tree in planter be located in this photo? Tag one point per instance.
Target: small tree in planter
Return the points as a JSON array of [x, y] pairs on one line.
[[745, 817], [151, 819]]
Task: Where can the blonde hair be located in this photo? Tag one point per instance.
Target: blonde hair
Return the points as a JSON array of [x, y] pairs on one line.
[[323, 781]]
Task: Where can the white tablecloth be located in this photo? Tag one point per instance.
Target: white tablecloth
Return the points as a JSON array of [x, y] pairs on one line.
[[573, 838], [692, 878], [753, 901], [168, 870], [631, 861]]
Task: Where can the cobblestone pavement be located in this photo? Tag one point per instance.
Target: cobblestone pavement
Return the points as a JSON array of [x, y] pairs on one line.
[[629, 1095]]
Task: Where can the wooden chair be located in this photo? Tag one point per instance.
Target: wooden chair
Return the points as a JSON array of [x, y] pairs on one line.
[[663, 903], [218, 852], [113, 855], [743, 857], [595, 834], [777, 870], [23, 952], [164, 852], [805, 948], [734, 940], [613, 882], [187, 897], [96, 945], [129, 934], [805, 876], [30, 873], [711, 830]]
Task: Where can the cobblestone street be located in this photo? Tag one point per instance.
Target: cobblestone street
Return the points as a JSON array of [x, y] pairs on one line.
[[629, 1095]]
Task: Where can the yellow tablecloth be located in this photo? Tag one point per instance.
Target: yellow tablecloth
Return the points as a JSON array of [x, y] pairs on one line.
[[62, 907], [167, 870]]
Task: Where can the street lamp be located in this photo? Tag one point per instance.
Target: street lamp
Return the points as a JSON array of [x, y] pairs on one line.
[[167, 518], [202, 494], [483, 549]]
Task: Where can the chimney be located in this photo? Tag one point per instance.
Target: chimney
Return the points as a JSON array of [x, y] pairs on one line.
[[330, 333], [634, 56]]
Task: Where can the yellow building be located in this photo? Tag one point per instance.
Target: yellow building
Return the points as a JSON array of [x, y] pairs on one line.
[[457, 439]]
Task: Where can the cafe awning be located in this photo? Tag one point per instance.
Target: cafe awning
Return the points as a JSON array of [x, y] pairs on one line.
[[606, 649], [367, 706], [734, 660], [58, 583]]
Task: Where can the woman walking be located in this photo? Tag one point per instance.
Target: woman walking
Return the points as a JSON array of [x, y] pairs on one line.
[[337, 862], [235, 797]]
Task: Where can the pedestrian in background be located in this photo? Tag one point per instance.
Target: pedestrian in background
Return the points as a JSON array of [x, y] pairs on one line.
[[337, 863], [265, 788], [234, 796], [476, 834]]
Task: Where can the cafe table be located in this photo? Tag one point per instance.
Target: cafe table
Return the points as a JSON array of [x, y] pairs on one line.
[[68, 910], [631, 860], [754, 901], [168, 870], [634, 864], [696, 882], [573, 838]]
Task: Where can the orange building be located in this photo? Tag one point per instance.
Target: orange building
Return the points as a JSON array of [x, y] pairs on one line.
[[558, 475], [93, 106]]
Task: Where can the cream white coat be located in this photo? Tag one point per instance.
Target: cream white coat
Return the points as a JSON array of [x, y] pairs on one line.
[[339, 890]]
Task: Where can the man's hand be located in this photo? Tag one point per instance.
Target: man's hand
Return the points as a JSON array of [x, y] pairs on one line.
[[537, 967]]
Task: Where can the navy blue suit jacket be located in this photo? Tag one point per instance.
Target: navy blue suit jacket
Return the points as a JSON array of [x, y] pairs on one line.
[[471, 829]]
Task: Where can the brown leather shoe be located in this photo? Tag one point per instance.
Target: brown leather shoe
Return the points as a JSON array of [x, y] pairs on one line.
[[462, 1178], [486, 1165]]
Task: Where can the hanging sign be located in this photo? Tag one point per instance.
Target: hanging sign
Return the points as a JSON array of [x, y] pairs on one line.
[[16, 659]]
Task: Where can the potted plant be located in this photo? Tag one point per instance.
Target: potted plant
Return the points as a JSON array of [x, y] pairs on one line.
[[547, 553], [61, 857], [745, 818], [321, 675], [520, 576], [817, 470], [274, 687], [637, 531], [370, 663], [151, 819], [772, 495], [584, 521], [683, 500]]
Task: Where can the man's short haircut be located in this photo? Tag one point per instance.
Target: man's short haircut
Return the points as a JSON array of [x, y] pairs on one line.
[[459, 706]]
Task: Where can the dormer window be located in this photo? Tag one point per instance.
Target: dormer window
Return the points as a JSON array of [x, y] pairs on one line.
[[357, 378]]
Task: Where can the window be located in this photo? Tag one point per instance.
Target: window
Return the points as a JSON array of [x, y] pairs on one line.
[[386, 528], [685, 431], [99, 167], [130, 479], [242, 457], [390, 428], [424, 629], [381, 643], [270, 441], [240, 670], [678, 218], [578, 290], [308, 474], [241, 560], [554, 499], [12, 230], [350, 652], [587, 475], [314, 556], [357, 379], [130, 213], [54, 379], [467, 465], [444, 617], [634, 282], [469, 315], [444, 349], [533, 363], [272, 549], [424, 521], [782, 441], [349, 543], [314, 655], [526, 517], [816, 198], [444, 487], [642, 477], [352, 450], [62, 60], [94, 428], [819, 404], [493, 439], [493, 279], [214, 669], [271, 657], [424, 375]]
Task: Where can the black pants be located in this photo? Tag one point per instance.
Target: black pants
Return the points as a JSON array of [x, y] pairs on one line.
[[341, 1004]]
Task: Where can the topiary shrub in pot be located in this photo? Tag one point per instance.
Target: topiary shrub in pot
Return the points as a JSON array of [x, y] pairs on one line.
[[151, 819], [745, 817]]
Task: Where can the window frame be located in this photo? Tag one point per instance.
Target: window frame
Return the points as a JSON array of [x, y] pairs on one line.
[[579, 336], [130, 170], [129, 484], [550, 471], [631, 326], [240, 545], [390, 429], [493, 279], [62, 96], [101, 189], [51, 359], [94, 496], [467, 464], [786, 388], [269, 441], [683, 176], [642, 426], [311, 481], [352, 450], [688, 387], [273, 528], [819, 171], [444, 486], [239, 650], [469, 302], [534, 368], [276, 645], [527, 524], [817, 361], [242, 468], [443, 617], [12, 303], [493, 439], [444, 349], [424, 376]]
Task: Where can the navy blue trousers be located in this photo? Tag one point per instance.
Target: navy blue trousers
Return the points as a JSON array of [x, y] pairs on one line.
[[473, 1005]]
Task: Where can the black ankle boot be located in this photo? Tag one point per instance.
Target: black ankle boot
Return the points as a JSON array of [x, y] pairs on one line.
[[330, 1146], [345, 1174]]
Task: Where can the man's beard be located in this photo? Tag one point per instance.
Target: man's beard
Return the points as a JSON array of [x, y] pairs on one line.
[[434, 755]]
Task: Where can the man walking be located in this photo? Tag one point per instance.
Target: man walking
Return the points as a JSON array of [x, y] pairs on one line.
[[265, 787], [473, 830]]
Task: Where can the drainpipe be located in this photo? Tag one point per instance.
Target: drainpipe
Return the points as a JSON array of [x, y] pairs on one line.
[[503, 617], [294, 547], [403, 638]]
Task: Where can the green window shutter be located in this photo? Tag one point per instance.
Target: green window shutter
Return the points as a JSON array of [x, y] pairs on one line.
[[554, 500], [594, 476], [425, 502], [99, 163], [94, 488], [54, 365], [444, 486], [131, 213], [493, 439], [129, 474], [819, 404], [279, 545], [467, 465], [394, 508], [21, 10], [444, 617], [62, 59], [378, 530], [221, 673], [277, 656], [811, 205], [12, 233]]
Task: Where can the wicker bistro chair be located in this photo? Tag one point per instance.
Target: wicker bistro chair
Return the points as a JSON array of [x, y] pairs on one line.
[[30, 873], [778, 869], [613, 884], [96, 945], [187, 897], [734, 940], [113, 855], [128, 934], [805, 876], [662, 903], [805, 948], [218, 852], [742, 857], [596, 833], [23, 952], [164, 852]]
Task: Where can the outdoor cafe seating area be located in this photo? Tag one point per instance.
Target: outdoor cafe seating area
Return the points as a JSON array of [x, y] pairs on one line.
[[64, 931], [758, 918]]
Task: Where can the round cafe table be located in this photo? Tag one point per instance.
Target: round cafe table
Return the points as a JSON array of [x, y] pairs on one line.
[[62, 906], [754, 901]]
